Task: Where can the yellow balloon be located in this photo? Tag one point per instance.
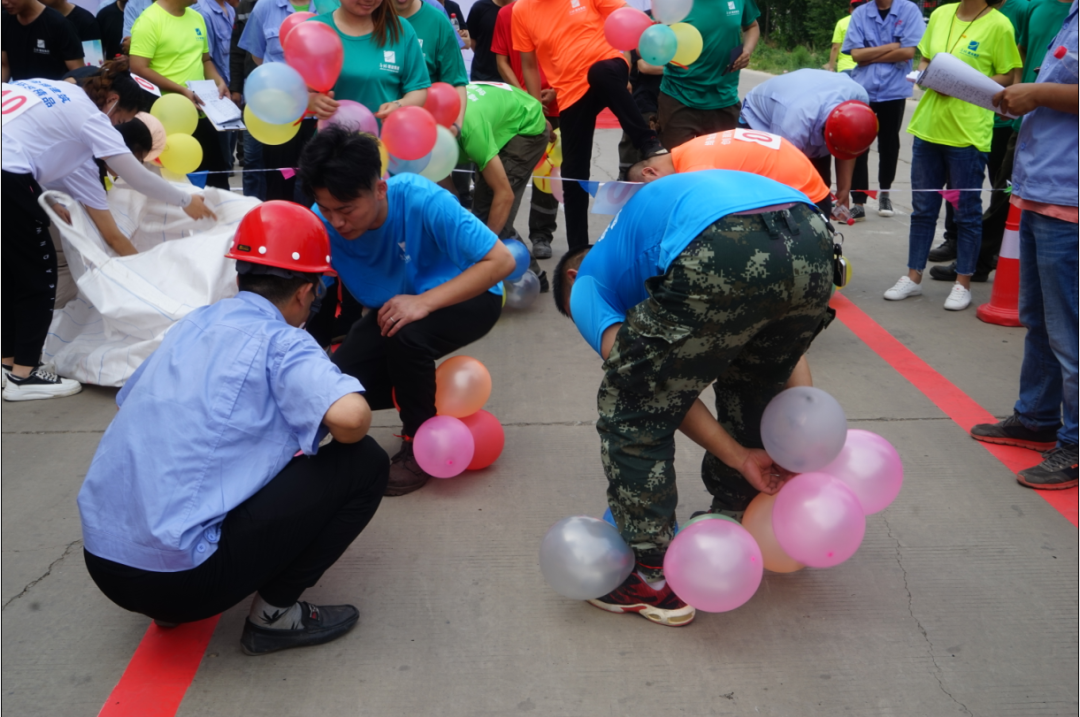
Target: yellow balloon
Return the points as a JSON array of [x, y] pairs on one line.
[[384, 157], [554, 150], [267, 133], [690, 43], [182, 154], [176, 113], [174, 177], [541, 174]]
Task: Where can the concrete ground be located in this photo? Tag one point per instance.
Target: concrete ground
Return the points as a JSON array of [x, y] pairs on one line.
[[961, 601]]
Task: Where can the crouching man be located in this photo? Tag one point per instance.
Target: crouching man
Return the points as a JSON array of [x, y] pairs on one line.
[[210, 485]]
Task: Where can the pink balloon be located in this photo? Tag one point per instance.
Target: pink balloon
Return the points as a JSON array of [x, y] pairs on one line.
[[315, 51], [443, 446], [353, 116], [871, 467], [409, 132], [714, 565], [623, 28], [556, 184], [443, 102], [292, 21], [818, 520]]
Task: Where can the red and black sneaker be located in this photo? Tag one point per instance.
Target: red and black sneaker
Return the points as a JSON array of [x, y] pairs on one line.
[[660, 606]]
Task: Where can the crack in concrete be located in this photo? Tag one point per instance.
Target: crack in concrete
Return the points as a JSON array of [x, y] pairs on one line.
[[46, 574], [926, 636]]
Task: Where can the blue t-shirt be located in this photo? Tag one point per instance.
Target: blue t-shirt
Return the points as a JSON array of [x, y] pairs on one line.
[[426, 240], [654, 227]]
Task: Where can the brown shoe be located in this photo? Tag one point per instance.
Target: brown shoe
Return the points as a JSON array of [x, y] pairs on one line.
[[406, 475]]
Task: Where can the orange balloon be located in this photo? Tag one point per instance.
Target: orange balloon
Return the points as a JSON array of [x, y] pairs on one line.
[[758, 522], [462, 386]]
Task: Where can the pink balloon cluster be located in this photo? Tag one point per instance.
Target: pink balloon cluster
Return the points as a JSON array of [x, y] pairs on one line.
[[463, 436]]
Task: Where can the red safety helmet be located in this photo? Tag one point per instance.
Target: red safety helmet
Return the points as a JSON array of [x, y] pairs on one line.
[[850, 129], [283, 235]]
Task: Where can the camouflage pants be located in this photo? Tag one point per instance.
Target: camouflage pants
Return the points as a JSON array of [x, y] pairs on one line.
[[738, 307]]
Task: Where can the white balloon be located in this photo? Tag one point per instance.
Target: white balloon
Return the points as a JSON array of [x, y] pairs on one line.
[[522, 293], [803, 429], [584, 558], [670, 12], [444, 156]]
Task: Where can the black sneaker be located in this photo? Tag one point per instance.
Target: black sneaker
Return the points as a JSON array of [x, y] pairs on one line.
[[884, 205], [38, 385], [858, 212], [945, 251], [661, 606], [541, 249], [406, 475], [1056, 472], [544, 287], [948, 273], [1011, 432], [321, 624]]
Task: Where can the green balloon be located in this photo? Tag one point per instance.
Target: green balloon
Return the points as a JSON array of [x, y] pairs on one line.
[[709, 516]]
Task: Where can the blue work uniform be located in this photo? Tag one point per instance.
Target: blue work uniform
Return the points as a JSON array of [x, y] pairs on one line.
[[650, 232], [227, 400], [903, 24], [796, 105], [219, 27]]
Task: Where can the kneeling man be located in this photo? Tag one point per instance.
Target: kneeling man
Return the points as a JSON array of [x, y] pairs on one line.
[[715, 276], [210, 484]]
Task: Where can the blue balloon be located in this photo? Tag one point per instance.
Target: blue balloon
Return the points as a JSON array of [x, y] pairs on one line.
[[401, 166], [658, 45], [276, 93], [610, 519], [522, 257]]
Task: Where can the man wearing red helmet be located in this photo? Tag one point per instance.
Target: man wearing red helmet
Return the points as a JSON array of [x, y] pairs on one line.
[[821, 113], [210, 483]]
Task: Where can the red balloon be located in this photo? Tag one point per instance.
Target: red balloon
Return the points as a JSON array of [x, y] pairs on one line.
[[409, 133], [290, 22], [623, 28], [443, 102], [315, 51], [488, 438]]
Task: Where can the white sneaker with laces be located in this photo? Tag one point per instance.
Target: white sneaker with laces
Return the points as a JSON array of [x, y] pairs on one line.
[[959, 299], [40, 384], [902, 289]]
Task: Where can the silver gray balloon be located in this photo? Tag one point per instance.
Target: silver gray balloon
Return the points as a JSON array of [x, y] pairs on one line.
[[584, 558], [523, 292], [803, 429]]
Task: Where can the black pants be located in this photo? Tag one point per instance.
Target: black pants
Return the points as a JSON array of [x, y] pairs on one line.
[[278, 542], [404, 364], [29, 272], [890, 116], [607, 88], [213, 159], [287, 156]]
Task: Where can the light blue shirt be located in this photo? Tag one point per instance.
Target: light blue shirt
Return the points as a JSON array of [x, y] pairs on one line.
[[426, 240], [214, 414], [1045, 168], [219, 27], [796, 105], [904, 24], [647, 235], [132, 10]]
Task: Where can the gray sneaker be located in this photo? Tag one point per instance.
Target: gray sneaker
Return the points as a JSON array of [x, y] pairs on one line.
[[858, 212], [541, 249], [406, 475], [884, 205]]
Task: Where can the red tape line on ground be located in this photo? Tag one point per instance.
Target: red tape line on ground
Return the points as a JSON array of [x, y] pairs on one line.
[[160, 672], [956, 404]]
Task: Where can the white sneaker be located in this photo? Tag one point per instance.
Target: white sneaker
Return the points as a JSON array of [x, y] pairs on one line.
[[902, 289], [959, 299], [38, 385]]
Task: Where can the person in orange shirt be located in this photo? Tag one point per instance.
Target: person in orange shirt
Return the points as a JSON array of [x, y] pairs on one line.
[[753, 151], [566, 39]]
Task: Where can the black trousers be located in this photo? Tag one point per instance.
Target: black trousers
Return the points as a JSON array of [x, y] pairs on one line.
[[607, 88], [403, 365], [890, 116], [213, 159], [278, 542], [287, 156], [29, 272]]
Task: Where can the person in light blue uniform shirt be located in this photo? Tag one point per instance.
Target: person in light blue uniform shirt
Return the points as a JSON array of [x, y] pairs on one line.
[[428, 271], [219, 19], [882, 38], [795, 106], [210, 482], [1044, 186], [707, 278]]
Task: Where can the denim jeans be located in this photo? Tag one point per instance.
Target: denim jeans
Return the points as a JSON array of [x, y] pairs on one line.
[[932, 165], [1048, 308], [254, 177]]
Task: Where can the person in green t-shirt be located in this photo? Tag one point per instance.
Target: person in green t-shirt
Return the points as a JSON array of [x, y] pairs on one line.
[[951, 139], [505, 134], [838, 61], [1041, 23], [1015, 10], [439, 43], [703, 98], [169, 48], [384, 67]]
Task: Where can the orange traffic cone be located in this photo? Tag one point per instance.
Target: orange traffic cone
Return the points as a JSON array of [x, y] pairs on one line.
[[1002, 308]]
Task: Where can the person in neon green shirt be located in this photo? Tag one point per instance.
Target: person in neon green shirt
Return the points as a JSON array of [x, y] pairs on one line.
[[952, 138], [837, 61], [169, 48], [439, 43]]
